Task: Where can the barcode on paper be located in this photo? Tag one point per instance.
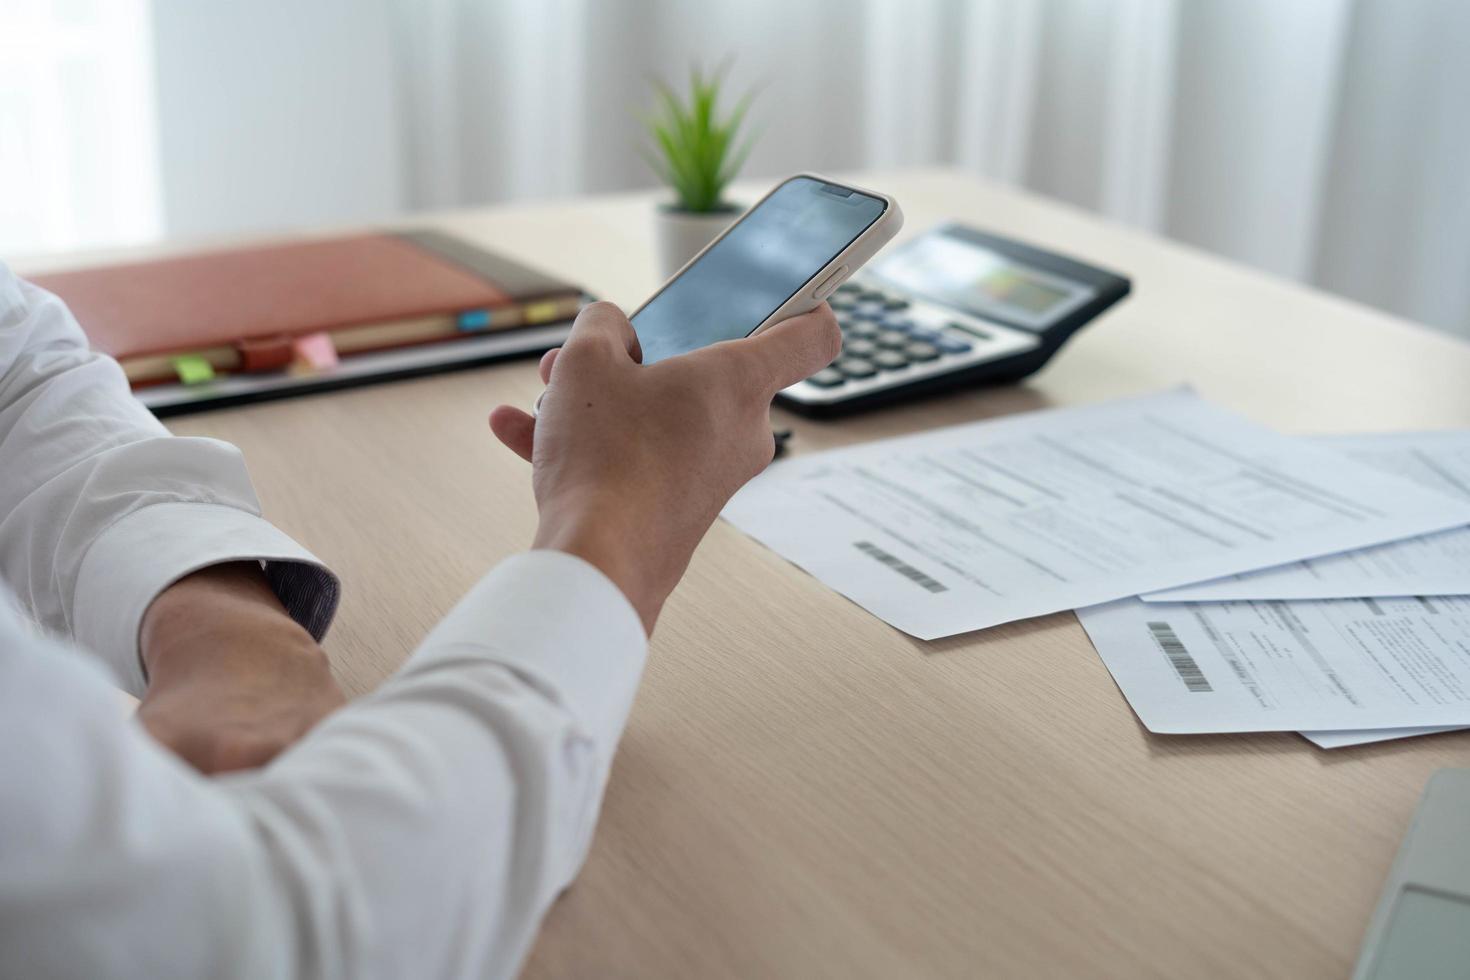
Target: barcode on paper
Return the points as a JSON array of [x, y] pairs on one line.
[[900, 566], [1179, 658]]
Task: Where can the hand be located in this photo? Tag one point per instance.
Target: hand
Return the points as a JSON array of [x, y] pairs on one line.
[[232, 679], [631, 464]]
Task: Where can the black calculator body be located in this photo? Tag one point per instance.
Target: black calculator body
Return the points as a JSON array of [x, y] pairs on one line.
[[953, 307]]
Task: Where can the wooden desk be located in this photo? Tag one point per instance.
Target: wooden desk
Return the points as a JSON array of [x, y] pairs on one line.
[[803, 791]]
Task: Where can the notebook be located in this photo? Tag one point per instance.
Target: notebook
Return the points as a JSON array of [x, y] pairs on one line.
[[256, 316]]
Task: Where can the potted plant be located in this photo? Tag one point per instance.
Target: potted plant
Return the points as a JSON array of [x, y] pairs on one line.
[[695, 151]]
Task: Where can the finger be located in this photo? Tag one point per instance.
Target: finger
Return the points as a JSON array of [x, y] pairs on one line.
[[547, 360], [515, 428], [793, 349], [603, 322]]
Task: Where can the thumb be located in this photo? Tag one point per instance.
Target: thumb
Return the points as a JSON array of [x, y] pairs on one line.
[[795, 349], [514, 428]]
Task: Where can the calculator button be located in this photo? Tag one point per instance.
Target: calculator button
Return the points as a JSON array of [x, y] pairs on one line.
[[893, 340], [921, 351], [860, 328], [874, 295], [868, 311], [827, 378], [898, 322], [888, 360], [855, 367], [841, 302], [895, 303], [849, 289], [859, 347], [951, 345]]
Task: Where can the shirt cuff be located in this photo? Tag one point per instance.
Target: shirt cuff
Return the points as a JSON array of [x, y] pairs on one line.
[[153, 547], [560, 624]]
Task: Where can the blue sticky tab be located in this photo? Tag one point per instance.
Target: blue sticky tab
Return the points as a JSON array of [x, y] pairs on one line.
[[474, 319]]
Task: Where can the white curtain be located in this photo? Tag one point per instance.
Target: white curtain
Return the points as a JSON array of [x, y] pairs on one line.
[[1325, 140], [77, 158]]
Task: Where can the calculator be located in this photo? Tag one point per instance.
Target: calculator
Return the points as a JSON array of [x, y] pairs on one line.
[[955, 306]]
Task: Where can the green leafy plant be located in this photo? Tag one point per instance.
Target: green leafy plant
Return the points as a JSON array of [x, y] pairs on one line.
[[694, 148]]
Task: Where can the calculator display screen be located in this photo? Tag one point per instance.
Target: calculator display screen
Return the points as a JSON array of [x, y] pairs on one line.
[[982, 281], [1017, 289], [755, 268]]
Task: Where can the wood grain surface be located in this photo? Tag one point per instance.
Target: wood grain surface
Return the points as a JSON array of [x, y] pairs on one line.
[[803, 791]]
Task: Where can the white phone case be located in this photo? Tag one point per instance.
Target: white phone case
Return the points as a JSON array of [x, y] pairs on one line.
[[825, 282]]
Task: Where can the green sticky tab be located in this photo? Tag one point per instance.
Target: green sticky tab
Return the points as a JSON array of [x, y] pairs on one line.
[[193, 369]]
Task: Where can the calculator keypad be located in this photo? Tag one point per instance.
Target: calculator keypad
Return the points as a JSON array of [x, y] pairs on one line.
[[890, 340]]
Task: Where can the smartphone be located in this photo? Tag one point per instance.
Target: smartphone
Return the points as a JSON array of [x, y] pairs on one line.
[[782, 258]]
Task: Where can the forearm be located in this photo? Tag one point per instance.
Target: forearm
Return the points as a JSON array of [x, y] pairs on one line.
[[425, 829], [100, 508], [216, 616], [232, 679], [421, 831]]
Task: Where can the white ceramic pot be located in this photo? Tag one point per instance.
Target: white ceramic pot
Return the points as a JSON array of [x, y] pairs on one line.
[[680, 234]]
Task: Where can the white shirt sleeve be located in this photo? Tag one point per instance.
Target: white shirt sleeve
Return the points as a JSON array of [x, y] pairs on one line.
[[422, 831], [101, 509]]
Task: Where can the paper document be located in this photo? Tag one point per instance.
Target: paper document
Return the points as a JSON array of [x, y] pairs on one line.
[[1342, 740], [974, 525], [1434, 564], [1332, 665]]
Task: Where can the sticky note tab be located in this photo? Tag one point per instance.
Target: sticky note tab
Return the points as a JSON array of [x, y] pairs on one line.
[[541, 312], [474, 320], [315, 352], [193, 369], [265, 353]]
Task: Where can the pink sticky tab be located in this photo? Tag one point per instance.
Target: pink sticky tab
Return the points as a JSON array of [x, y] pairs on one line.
[[316, 351]]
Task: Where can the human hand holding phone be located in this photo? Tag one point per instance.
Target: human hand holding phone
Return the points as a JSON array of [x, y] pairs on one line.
[[631, 463]]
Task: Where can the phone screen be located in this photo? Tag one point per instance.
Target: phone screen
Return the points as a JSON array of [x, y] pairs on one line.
[[757, 266]]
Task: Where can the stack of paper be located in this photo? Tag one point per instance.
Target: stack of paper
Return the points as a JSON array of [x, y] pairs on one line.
[[1357, 647], [976, 525]]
